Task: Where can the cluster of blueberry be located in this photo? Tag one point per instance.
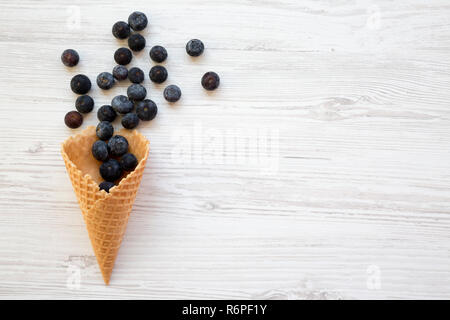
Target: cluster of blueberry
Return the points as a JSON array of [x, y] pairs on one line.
[[116, 159], [146, 109], [113, 150]]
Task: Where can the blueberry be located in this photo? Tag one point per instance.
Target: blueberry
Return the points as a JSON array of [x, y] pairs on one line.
[[104, 130], [106, 113], [136, 42], [100, 150], [128, 162], [84, 104], [158, 74], [172, 93], [136, 75], [118, 146], [105, 80], [73, 119], [106, 185], [210, 80], [110, 170], [121, 104], [120, 72], [137, 20], [70, 58], [136, 92], [158, 54], [146, 110], [80, 84], [123, 56], [121, 30], [130, 121], [194, 47]]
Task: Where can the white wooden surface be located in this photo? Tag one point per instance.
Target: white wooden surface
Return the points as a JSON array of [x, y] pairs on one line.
[[350, 199]]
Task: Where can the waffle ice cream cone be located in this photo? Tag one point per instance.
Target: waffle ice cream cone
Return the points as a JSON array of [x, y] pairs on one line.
[[105, 214]]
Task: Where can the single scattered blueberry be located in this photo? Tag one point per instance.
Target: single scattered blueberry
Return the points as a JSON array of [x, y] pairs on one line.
[[136, 42], [100, 150], [80, 84], [105, 80], [128, 162], [158, 74], [106, 113], [121, 30], [210, 80], [158, 54], [70, 58], [136, 92], [146, 110], [120, 72], [73, 119], [123, 56], [104, 130], [121, 104], [130, 121], [172, 93], [194, 47], [106, 185], [110, 170], [84, 104], [118, 146], [136, 75], [137, 20]]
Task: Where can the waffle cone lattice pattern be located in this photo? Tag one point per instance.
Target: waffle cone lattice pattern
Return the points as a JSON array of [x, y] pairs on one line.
[[105, 214]]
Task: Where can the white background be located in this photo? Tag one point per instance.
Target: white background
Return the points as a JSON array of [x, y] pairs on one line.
[[319, 169]]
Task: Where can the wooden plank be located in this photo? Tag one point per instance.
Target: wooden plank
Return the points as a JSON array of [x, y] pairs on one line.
[[319, 169]]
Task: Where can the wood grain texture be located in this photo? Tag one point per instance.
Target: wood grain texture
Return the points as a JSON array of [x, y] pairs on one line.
[[319, 170]]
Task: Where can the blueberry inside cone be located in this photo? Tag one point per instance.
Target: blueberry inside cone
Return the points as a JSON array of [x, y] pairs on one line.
[[106, 185], [110, 170]]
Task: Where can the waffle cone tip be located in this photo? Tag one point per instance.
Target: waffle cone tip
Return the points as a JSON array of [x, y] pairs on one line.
[[106, 276]]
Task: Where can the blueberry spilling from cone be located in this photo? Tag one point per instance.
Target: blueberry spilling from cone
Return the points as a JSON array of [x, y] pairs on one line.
[[132, 107]]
